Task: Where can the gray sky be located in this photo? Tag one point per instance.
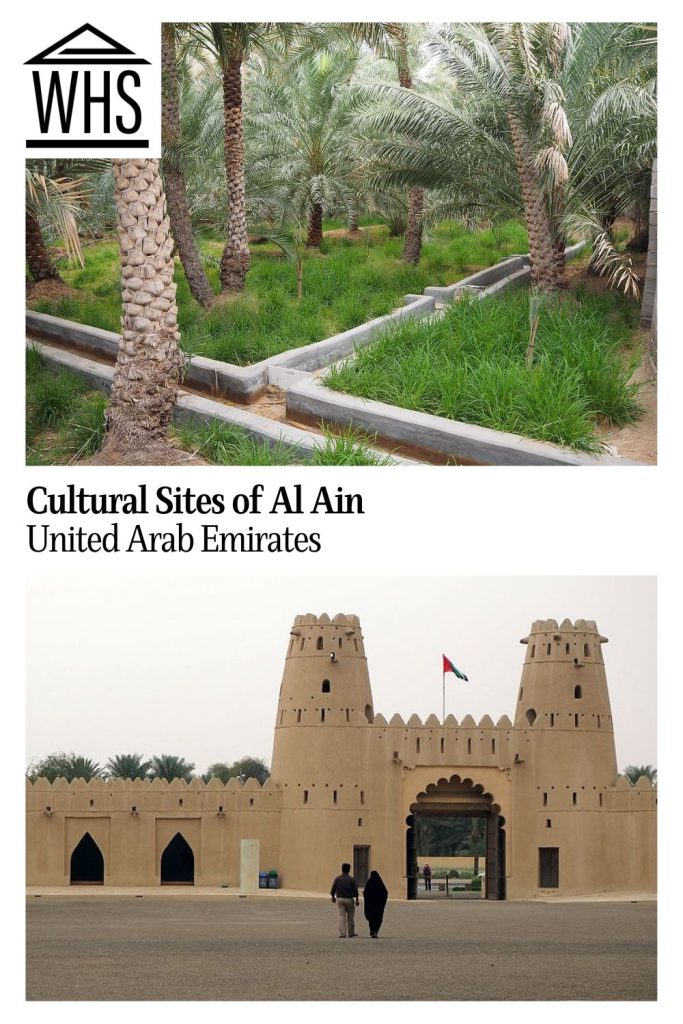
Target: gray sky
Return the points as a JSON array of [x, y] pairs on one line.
[[192, 665]]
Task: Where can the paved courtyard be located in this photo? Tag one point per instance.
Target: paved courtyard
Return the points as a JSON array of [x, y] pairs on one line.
[[181, 947]]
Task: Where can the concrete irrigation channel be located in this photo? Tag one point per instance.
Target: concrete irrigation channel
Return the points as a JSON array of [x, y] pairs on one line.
[[283, 399]]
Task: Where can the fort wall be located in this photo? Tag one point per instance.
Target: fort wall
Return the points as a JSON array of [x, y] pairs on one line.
[[346, 783]]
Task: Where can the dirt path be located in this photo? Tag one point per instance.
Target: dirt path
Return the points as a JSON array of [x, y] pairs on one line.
[[639, 440]]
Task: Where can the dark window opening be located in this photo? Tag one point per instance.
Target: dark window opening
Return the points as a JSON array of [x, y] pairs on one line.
[[574, 799], [340, 642], [360, 822], [177, 862], [180, 801], [322, 714], [566, 648], [548, 823], [598, 721], [552, 719], [87, 863], [417, 746], [369, 713], [334, 796], [319, 644], [305, 796], [303, 641], [326, 686], [442, 745], [298, 715], [355, 645], [362, 796], [521, 692], [493, 746], [533, 650], [586, 651], [531, 716], [549, 648], [469, 746], [545, 799], [348, 715], [600, 799], [578, 693], [576, 721]]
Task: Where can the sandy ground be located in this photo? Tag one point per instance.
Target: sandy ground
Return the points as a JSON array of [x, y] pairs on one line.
[[639, 440], [207, 948]]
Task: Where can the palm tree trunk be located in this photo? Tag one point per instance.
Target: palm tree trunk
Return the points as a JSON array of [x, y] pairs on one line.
[[38, 258], [149, 363], [412, 248], [647, 307], [235, 258], [544, 269], [315, 226], [174, 177], [559, 238]]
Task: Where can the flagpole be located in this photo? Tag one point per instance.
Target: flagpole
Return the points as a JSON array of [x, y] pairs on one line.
[[443, 681]]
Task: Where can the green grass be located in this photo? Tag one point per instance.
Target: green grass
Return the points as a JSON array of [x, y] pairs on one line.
[[346, 284], [65, 423], [469, 365], [228, 445]]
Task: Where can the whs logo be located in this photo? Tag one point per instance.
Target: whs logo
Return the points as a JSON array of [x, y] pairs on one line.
[[89, 92]]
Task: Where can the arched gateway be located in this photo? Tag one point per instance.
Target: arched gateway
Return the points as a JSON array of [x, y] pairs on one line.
[[458, 797], [177, 862], [86, 866]]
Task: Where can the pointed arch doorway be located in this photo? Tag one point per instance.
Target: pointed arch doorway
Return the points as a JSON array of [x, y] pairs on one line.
[[458, 798], [177, 862], [86, 866]]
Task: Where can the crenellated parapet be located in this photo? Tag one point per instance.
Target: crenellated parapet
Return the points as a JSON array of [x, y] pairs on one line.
[[107, 796], [449, 742], [321, 636]]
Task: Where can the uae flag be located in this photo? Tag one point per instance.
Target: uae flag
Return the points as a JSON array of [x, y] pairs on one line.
[[448, 666]]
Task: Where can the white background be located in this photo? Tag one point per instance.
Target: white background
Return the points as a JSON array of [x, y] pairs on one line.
[[420, 521]]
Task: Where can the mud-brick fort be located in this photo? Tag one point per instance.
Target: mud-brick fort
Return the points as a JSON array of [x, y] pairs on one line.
[[348, 785]]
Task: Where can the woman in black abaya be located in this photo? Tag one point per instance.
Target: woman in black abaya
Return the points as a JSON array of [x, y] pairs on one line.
[[375, 897]]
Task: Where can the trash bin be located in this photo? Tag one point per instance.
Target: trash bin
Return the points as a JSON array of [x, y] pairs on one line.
[[272, 880], [263, 879]]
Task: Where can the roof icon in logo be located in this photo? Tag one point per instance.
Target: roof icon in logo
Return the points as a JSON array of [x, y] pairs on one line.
[[90, 47]]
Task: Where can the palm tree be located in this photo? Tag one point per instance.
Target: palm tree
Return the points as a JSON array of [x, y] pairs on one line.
[[298, 136], [634, 772], [57, 200], [647, 309], [516, 68], [231, 43], [610, 82], [412, 248], [65, 766], [173, 171], [169, 767], [127, 766], [505, 115], [149, 363]]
